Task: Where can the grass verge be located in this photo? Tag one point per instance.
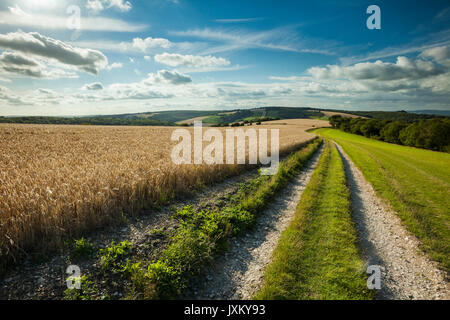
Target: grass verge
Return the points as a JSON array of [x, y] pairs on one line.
[[202, 234], [416, 183], [317, 256]]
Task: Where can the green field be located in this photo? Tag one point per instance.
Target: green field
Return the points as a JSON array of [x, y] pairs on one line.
[[414, 181], [317, 256]]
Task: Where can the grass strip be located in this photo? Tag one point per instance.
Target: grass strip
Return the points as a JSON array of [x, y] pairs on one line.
[[416, 183], [317, 256], [203, 234]]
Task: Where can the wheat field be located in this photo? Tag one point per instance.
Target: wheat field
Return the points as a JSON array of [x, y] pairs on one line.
[[60, 181]]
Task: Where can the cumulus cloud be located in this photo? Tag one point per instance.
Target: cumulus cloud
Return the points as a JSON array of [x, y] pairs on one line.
[[18, 64], [114, 65], [9, 97], [93, 86], [290, 78], [167, 77], [99, 5], [17, 59], [190, 61], [404, 68], [15, 63], [243, 93], [33, 43], [47, 92], [439, 54], [148, 43], [125, 91]]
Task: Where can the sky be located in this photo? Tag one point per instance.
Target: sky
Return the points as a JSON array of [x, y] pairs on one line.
[[92, 57]]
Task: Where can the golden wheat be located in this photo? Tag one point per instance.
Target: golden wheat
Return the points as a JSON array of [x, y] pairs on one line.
[[57, 182]]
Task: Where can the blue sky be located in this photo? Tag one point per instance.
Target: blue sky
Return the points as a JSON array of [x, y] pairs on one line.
[[137, 56]]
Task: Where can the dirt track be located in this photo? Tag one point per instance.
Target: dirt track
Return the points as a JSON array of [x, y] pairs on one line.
[[406, 272], [239, 273]]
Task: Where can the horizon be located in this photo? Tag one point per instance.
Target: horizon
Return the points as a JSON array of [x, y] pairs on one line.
[[422, 111], [105, 57]]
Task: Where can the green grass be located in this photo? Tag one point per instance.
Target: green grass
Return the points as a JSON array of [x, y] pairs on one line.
[[203, 234], [213, 119], [415, 182], [317, 256]]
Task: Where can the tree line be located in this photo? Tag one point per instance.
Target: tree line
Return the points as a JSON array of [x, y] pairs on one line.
[[432, 134], [99, 120]]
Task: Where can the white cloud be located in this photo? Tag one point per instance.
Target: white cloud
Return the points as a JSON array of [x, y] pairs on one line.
[[114, 65], [432, 40], [9, 97], [237, 20], [138, 46], [16, 17], [14, 63], [33, 43], [290, 78], [404, 68], [94, 5], [280, 39], [191, 61], [167, 77], [439, 54], [149, 42], [99, 5], [93, 86], [18, 11]]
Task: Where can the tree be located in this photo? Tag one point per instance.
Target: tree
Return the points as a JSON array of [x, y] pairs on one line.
[[335, 121], [355, 125], [409, 135], [371, 128], [391, 131]]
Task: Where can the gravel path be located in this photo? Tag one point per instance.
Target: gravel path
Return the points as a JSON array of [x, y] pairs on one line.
[[406, 272], [238, 274]]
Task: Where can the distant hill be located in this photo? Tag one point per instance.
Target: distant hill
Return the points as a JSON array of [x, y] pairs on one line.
[[227, 116], [176, 117], [223, 117], [170, 116], [390, 115], [434, 112], [97, 120]]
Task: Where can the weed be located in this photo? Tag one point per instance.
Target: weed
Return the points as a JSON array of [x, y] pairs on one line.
[[113, 257], [86, 291], [82, 249]]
